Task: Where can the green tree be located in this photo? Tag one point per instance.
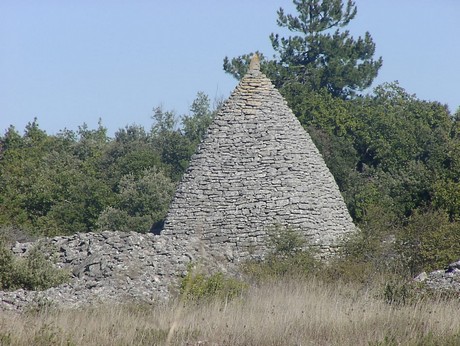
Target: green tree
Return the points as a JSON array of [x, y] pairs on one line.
[[11, 140], [35, 271], [130, 152], [447, 196], [75, 179], [196, 124], [395, 127], [141, 202], [60, 184], [23, 198], [429, 241], [52, 184], [447, 186], [176, 144], [321, 56], [173, 147]]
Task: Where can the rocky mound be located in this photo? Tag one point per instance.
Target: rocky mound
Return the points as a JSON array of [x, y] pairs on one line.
[[110, 267], [447, 279]]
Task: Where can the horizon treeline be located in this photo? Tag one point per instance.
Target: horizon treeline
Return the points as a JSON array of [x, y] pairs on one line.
[[395, 158], [83, 181]]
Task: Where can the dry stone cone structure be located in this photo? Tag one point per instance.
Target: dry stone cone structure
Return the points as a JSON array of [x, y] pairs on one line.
[[256, 168]]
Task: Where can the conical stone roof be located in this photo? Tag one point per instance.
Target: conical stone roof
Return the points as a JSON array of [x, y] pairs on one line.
[[257, 167]]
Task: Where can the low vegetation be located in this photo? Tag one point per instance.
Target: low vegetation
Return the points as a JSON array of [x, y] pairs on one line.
[[198, 287], [289, 312], [32, 272]]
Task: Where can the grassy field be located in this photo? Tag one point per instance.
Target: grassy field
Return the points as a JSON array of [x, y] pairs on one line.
[[305, 312]]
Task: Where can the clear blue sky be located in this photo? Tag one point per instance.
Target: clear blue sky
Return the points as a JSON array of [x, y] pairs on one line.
[[70, 62]]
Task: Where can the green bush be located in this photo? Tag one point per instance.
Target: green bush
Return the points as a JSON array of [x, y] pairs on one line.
[[11, 235], [197, 286], [142, 201], [371, 253], [429, 241], [32, 272], [289, 256], [275, 267], [285, 241], [399, 293], [8, 278]]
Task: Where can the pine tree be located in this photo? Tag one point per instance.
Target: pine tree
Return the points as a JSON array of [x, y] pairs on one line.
[[321, 55]]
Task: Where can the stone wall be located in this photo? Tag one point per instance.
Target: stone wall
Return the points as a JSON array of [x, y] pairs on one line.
[[111, 267]]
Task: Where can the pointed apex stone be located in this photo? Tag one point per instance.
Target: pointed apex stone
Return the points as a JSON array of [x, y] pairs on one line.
[[255, 63]]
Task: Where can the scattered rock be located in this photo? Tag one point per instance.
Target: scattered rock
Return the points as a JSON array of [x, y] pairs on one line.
[[448, 279], [421, 277]]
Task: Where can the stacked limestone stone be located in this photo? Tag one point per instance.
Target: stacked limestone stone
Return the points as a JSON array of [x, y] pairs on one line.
[[257, 167], [109, 267]]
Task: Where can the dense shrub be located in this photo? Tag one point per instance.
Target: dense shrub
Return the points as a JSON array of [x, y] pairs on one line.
[[32, 272], [198, 286], [429, 241], [8, 278], [141, 202], [290, 255]]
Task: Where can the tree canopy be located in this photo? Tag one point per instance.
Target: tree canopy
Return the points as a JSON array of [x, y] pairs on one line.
[[322, 55], [395, 157], [80, 181]]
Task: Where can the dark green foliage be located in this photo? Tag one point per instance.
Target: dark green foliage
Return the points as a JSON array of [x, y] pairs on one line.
[[141, 202], [397, 250], [388, 148], [36, 272], [176, 145], [370, 252], [339, 154], [130, 152], [173, 147], [395, 127], [321, 56], [196, 124], [447, 196], [7, 268], [84, 181], [49, 184], [429, 241], [447, 186]]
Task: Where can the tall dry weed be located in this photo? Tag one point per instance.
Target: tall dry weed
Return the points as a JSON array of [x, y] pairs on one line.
[[293, 312]]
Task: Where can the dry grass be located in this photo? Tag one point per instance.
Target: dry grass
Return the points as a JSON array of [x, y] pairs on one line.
[[283, 313]]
